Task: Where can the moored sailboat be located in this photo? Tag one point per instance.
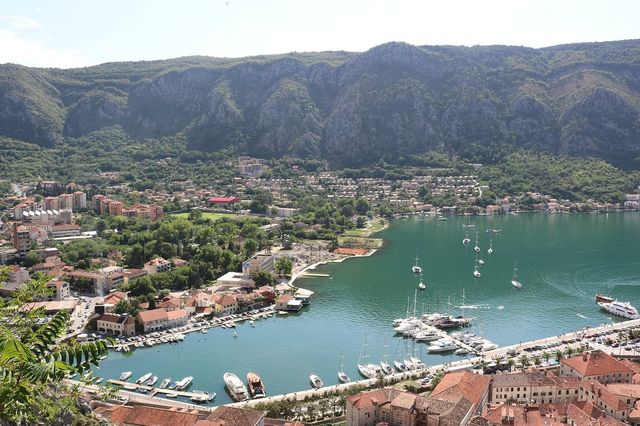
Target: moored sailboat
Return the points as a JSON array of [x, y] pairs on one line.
[[514, 280], [342, 376]]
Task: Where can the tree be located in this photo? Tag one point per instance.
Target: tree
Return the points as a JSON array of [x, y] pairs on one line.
[[263, 278], [360, 222], [32, 258], [284, 265], [127, 306], [33, 362], [362, 206]]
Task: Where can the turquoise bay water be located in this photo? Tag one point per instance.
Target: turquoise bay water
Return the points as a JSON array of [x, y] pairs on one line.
[[563, 261]]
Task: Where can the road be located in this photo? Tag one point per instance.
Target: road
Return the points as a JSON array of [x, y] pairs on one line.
[[80, 316]]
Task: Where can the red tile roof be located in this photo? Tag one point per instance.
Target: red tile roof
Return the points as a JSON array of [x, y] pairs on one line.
[[596, 363], [153, 315], [233, 416], [122, 415], [462, 384]]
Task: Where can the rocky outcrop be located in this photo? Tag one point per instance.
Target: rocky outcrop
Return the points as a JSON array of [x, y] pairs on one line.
[[392, 101]]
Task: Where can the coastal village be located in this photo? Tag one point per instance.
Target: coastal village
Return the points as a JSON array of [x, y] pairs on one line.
[[590, 388]]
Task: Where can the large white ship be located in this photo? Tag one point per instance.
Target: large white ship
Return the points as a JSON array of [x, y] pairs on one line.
[[620, 309], [236, 388]]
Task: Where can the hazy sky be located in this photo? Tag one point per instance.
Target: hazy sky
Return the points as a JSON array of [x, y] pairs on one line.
[[71, 33]]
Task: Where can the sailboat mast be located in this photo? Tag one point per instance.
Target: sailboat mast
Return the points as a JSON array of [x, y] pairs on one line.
[[415, 295]]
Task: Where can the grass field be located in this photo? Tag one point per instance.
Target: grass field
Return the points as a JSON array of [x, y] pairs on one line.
[[375, 226], [212, 216]]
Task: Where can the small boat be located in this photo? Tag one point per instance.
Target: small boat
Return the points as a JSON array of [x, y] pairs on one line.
[[99, 380], [442, 218], [184, 383], [514, 280], [421, 285], [601, 298], [415, 268], [442, 345], [152, 381], [400, 366], [204, 331], [480, 262], [476, 273], [466, 240], [125, 375], [172, 386], [171, 395], [252, 323], [477, 247], [490, 249], [256, 387], [342, 376], [236, 388], [316, 382], [202, 396], [386, 368], [144, 378], [165, 383], [282, 313], [235, 334], [461, 351]]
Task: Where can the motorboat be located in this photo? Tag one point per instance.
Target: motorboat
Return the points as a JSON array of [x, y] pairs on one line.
[[256, 387], [415, 268], [461, 351], [125, 375], [165, 383], [171, 395], [184, 383], [426, 336], [204, 331], [236, 388], [98, 380], [144, 378], [514, 280], [342, 376], [466, 240], [620, 309], [202, 396], [316, 382], [152, 381], [442, 345]]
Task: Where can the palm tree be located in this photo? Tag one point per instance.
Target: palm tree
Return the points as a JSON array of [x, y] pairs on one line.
[[558, 354], [546, 356], [536, 360], [524, 360], [569, 351]]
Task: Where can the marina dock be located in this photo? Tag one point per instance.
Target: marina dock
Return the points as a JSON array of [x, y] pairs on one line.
[[314, 274], [152, 391]]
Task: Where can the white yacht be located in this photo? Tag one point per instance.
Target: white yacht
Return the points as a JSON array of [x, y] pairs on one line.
[[184, 383], [165, 383], [236, 388], [152, 381], [202, 396], [125, 375], [426, 336], [514, 280], [442, 345], [620, 309], [369, 371], [418, 363], [316, 382], [144, 378]]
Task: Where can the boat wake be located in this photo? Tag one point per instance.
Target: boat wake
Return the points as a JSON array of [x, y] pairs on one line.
[[474, 307]]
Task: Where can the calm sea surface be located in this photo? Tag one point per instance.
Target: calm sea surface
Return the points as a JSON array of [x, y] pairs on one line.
[[563, 261]]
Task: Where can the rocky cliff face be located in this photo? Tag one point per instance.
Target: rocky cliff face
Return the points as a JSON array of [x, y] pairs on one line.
[[394, 100]]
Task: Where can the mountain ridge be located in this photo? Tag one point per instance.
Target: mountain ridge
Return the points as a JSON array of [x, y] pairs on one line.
[[393, 100]]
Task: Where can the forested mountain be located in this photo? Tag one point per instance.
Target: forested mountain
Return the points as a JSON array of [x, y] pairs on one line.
[[392, 101]]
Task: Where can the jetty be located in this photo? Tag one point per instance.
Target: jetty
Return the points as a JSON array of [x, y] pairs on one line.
[[152, 391]]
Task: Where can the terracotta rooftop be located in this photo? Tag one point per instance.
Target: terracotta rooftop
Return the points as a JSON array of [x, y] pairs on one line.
[[116, 319], [595, 364], [604, 395], [518, 415], [178, 313], [463, 383], [625, 389], [153, 315], [236, 416], [122, 415], [369, 399]]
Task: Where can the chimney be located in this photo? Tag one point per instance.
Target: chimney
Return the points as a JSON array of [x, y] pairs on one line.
[[584, 357]]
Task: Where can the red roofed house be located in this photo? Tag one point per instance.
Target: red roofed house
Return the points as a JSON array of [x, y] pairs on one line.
[[473, 387], [119, 325], [598, 395], [598, 366], [157, 265], [177, 318], [223, 202], [59, 289], [153, 320], [170, 304], [226, 305], [16, 277]]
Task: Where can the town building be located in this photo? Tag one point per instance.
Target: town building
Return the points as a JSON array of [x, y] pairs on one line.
[[118, 325], [261, 262], [157, 265], [59, 289], [177, 318], [153, 320], [596, 365]]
